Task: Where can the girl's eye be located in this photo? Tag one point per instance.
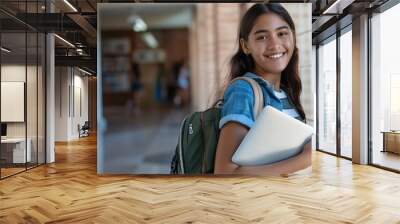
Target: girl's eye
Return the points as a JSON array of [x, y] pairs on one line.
[[281, 34], [261, 38]]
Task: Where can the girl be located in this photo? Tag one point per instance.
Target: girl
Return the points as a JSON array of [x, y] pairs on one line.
[[268, 54]]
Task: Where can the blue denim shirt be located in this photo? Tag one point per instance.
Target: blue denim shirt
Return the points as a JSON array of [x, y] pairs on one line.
[[239, 101]]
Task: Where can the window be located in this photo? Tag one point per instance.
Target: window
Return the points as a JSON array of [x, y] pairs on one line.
[[22, 74], [327, 97], [346, 94], [385, 85]]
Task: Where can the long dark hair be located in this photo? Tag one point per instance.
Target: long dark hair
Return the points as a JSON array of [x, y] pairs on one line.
[[241, 63]]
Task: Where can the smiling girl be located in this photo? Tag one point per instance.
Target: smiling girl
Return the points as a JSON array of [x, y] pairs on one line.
[[268, 54]]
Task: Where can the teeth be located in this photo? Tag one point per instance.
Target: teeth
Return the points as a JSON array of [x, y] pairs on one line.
[[275, 56]]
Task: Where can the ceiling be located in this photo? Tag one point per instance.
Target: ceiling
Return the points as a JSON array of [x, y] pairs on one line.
[[115, 16], [165, 15], [16, 42], [80, 27]]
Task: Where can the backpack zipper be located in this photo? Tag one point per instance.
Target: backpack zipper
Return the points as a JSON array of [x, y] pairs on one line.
[[203, 168], [180, 147]]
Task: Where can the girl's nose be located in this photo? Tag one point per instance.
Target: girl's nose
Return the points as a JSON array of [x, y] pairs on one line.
[[273, 43]]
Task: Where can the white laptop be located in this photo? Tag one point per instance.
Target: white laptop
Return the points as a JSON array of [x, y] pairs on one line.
[[275, 136]]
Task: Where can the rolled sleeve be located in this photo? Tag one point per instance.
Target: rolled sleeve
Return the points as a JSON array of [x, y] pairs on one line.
[[238, 104]]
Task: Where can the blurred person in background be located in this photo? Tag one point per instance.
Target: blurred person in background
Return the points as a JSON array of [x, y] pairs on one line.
[[160, 85], [183, 84], [136, 89], [172, 82]]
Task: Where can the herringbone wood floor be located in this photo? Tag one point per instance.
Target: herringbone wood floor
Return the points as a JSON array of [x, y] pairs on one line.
[[70, 191]]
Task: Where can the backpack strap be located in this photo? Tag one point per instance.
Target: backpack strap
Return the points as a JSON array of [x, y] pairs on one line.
[[258, 94]]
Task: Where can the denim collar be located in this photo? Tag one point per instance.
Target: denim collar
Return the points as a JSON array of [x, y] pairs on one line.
[[259, 79]]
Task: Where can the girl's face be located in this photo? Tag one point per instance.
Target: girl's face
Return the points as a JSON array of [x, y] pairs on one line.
[[270, 43]]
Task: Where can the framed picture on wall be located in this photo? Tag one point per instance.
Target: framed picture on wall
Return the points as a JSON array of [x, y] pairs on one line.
[[12, 101]]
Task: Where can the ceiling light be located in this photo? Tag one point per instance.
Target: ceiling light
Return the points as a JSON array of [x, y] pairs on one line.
[[329, 9], [65, 41], [150, 40], [70, 5], [5, 50], [338, 6], [84, 71], [138, 25], [80, 51]]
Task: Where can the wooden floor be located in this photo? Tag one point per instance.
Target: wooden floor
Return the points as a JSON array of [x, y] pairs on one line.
[[10, 171], [70, 191], [387, 159], [5, 172]]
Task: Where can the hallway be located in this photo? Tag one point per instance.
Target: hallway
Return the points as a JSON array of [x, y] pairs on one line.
[[70, 191], [146, 141]]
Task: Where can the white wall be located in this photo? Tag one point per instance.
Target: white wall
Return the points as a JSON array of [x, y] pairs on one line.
[[16, 73], [80, 89], [33, 126], [71, 87], [12, 101], [62, 80], [13, 73]]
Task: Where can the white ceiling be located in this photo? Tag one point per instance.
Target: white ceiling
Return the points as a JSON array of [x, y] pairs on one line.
[[114, 16]]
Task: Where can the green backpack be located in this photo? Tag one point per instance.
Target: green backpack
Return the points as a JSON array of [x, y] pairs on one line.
[[198, 137]]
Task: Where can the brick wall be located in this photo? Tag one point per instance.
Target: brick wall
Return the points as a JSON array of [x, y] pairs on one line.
[[213, 39]]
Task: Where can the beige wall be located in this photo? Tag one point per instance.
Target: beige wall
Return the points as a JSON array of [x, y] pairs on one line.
[[71, 98], [212, 42]]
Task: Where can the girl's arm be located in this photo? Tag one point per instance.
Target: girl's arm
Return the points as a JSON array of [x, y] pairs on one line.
[[231, 136]]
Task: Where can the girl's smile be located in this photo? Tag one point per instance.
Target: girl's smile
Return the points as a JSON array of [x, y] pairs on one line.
[[270, 44], [275, 56]]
